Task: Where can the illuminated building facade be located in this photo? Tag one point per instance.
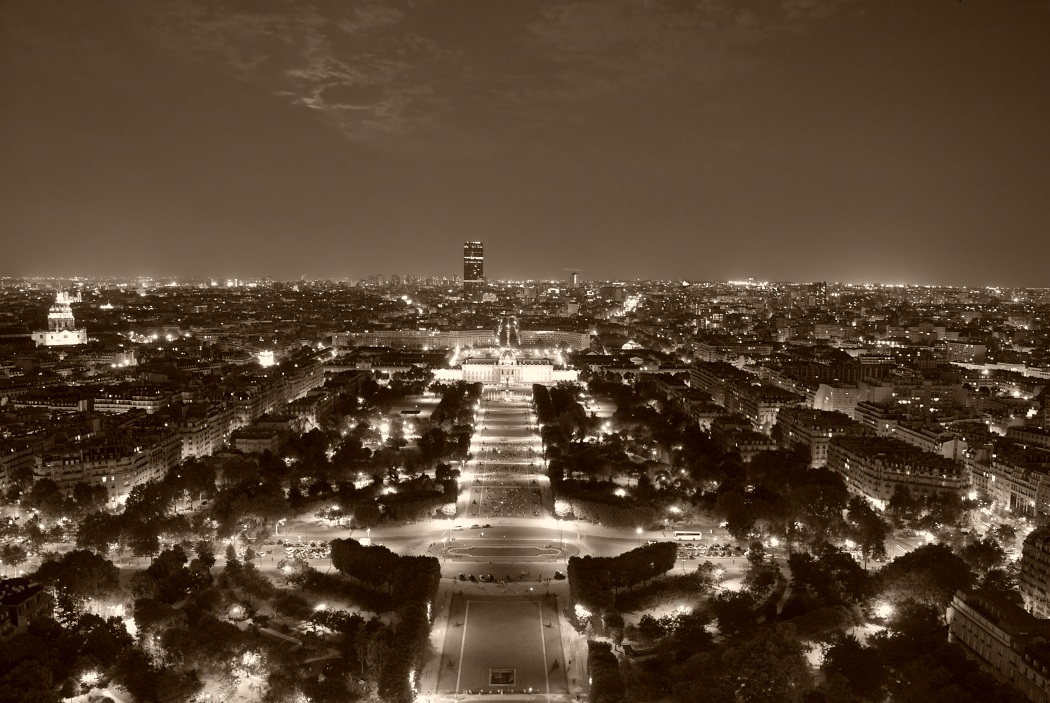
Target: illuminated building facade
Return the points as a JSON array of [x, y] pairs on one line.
[[875, 467], [61, 327], [117, 463], [1034, 580]]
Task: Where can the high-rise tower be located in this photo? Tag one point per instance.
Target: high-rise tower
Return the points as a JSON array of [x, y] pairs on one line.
[[473, 267]]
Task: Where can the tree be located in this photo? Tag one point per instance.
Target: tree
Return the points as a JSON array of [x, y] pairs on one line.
[[930, 575], [28, 682], [832, 576], [648, 629], [46, 497], [866, 528], [607, 684], [89, 497], [1004, 534], [863, 668], [136, 673], [105, 639], [902, 505], [1000, 579], [82, 574], [735, 613], [735, 512], [143, 537], [926, 667], [208, 645], [823, 626], [33, 535], [13, 555], [762, 572], [205, 551], [169, 581], [292, 605], [433, 445], [817, 499], [100, 532], [769, 667], [196, 479], [983, 555], [367, 513]]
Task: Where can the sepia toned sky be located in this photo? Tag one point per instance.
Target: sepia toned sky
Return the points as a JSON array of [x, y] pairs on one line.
[[840, 140]]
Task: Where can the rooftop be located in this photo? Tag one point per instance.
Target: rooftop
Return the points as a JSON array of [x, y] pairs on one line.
[[16, 590]]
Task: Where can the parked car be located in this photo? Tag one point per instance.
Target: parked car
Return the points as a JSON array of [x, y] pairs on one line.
[[558, 576]]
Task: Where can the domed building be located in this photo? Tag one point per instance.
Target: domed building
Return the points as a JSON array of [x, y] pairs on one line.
[[507, 366], [61, 329]]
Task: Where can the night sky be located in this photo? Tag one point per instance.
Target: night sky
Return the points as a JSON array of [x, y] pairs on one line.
[[889, 140]]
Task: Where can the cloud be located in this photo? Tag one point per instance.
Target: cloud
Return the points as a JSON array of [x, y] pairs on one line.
[[409, 70]]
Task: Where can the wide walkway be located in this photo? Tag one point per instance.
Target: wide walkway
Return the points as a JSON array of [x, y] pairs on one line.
[[505, 478], [512, 644]]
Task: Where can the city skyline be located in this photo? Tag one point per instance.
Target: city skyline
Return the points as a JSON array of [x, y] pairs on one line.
[[892, 142]]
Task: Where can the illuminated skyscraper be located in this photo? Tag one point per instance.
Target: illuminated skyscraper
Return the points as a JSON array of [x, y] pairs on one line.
[[473, 266]]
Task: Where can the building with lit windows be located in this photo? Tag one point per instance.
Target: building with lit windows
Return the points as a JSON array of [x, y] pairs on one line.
[[556, 339], [126, 397], [966, 352], [876, 467], [416, 339], [996, 632], [205, 428], [473, 267], [813, 430], [1034, 579], [118, 462], [507, 369]]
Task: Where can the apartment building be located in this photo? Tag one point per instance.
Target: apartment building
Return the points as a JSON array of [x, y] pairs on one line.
[[875, 467], [119, 461], [1034, 579], [123, 398], [21, 602], [997, 633], [814, 430]]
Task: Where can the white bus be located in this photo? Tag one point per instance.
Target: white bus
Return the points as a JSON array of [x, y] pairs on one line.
[[687, 536]]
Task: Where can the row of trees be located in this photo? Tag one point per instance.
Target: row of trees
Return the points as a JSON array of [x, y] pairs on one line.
[[594, 581], [603, 507], [413, 581], [561, 414], [457, 404], [607, 684]]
